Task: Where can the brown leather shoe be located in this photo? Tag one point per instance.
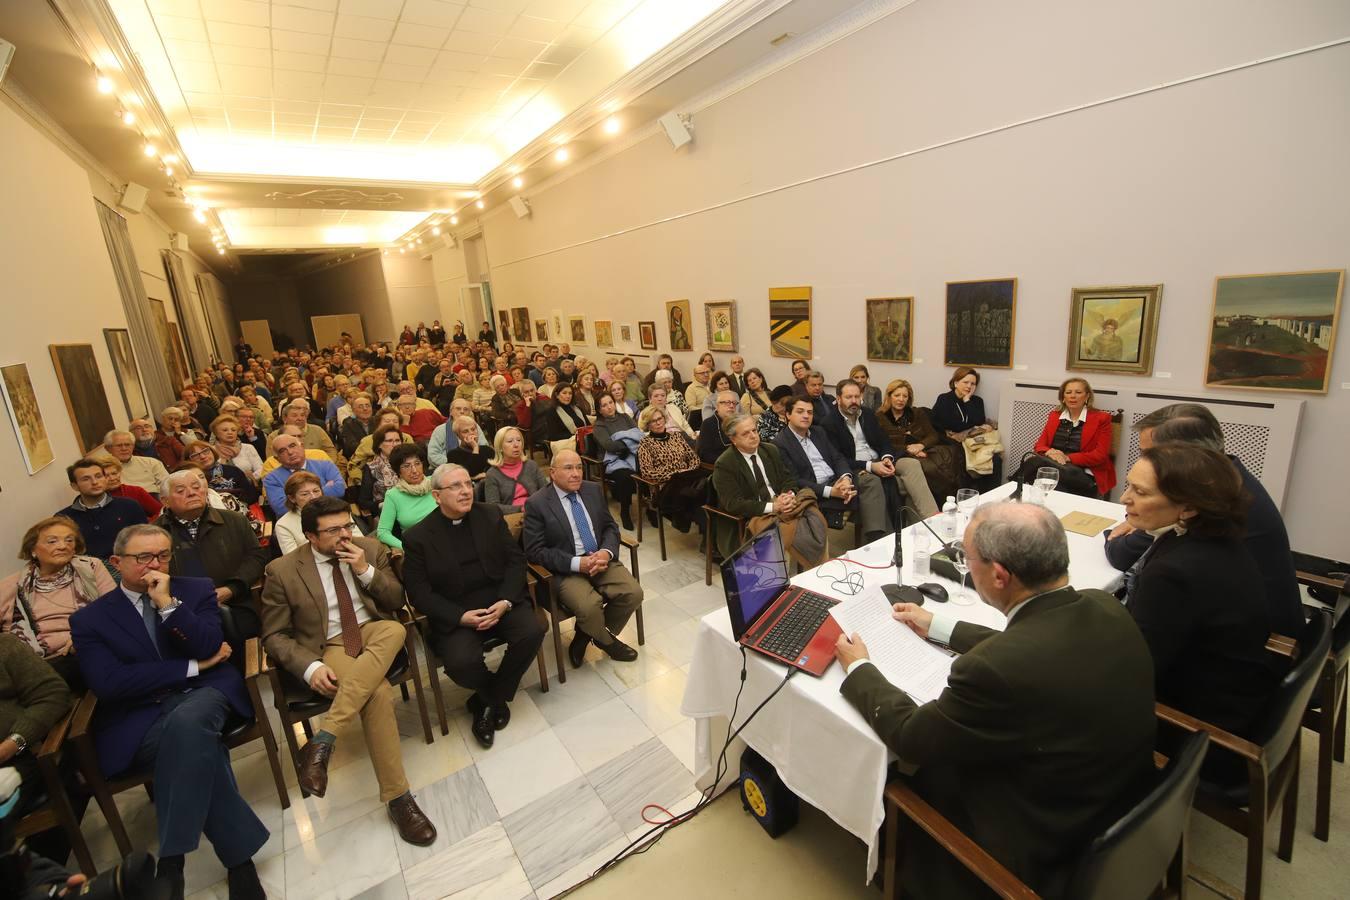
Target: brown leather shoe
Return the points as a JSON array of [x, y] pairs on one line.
[[413, 825], [314, 767]]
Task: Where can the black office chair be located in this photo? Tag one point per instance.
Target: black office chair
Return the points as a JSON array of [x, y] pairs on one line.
[[1143, 849], [1272, 756]]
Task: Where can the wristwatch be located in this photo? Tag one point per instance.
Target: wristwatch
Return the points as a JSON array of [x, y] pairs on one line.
[[20, 741], [509, 605]]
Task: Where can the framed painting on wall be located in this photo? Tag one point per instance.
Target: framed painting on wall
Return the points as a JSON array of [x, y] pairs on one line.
[[503, 325], [647, 335], [720, 318], [176, 338], [26, 416], [520, 323], [82, 388], [161, 319], [541, 330], [604, 333], [1274, 332], [981, 316], [680, 320], [890, 322], [557, 324], [790, 322], [576, 328], [626, 334], [128, 378], [1113, 329]]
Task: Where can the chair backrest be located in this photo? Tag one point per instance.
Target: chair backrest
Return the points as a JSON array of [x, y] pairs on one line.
[[1130, 858], [1283, 717], [1117, 428], [1340, 626]]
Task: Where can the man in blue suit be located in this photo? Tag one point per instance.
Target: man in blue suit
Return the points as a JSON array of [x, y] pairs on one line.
[[152, 651]]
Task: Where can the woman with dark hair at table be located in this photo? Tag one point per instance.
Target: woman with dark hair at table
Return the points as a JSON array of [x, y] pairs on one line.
[[1076, 441], [906, 425], [1196, 595]]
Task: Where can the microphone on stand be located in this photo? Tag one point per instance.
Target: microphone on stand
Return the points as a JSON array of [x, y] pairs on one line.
[[945, 544]]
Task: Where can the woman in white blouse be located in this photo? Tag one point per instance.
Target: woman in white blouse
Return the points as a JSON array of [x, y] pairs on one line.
[[301, 488]]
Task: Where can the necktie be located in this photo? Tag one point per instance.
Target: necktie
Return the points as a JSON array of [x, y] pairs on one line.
[[351, 632], [588, 543], [760, 483], [151, 616]]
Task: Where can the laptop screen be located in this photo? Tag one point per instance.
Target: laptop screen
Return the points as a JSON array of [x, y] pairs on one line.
[[753, 577]]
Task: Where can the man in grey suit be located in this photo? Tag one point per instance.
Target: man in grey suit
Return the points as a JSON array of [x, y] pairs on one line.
[[569, 531]]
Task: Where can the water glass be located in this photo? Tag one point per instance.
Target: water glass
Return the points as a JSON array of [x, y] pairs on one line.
[[922, 549], [1047, 478]]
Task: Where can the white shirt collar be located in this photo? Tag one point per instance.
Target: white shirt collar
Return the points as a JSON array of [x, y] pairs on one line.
[[1065, 417]]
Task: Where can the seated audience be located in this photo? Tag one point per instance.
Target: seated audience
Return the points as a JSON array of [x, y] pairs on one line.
[[466, 574], [752, 481], [358, 425], [512, 477], [222, 477], [365, 448], [959, 413], [164, 701], [251, 434], [736, 374], [713, 439], [1264, 536], [196, 410], [586, 393], [169, 437], [260, 407], [675, 421], [417, 423], [33, 699], [289, 453], [36, 601], [755, 398], [697, 391], [443, 439], [144, 432], [718, 383], [1063, 697], [1076, 441], [98, 514], [342, 649], [142, 471], [1196, 594], [378, 476], [815, 462], [774, 420], [871, 395], [906, 425], [294, 413], [616, 437], [632, 384], [470, 451], [409, 500], [618, 391], [214, 543], [301, 488], [501, 407], [579, 544], [855, 433], [667, 460], [821, 403], [664, 363], [231, 449], [560, 426], [112, 478], [800, 369]]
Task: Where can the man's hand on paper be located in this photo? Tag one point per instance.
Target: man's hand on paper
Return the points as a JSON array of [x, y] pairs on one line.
[[914, 616], [849, 650]]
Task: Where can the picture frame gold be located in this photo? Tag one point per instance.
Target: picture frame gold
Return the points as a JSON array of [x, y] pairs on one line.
[[719, 317], [981, 328], [82, 389], [1113, 329], [889, 329], [26, 417]]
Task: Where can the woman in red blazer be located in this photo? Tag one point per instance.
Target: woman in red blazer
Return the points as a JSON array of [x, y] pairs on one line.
[[1077, 441]]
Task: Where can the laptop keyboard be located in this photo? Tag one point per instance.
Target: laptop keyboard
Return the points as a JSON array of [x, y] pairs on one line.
[[790, 634]]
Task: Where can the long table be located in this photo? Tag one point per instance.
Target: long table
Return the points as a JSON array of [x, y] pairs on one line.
[[822, 749]]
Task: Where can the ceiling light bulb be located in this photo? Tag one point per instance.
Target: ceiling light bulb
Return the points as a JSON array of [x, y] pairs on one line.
[[128, 117], [169, 158], [419, 242], [105, 84], [199, 215], [148, 149], [561, 155], [384, 252], [220, 250], [436, 230], [402, 250], [480, 204], [517, 182], [613, 125], [454, 220], [168, 170]]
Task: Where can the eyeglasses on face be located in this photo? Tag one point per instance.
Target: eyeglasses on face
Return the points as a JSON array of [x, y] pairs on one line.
[[145, 559], [337, 529]]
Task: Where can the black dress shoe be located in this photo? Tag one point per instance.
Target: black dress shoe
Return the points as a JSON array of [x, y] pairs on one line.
[[654, 517], [501, 716], [619, 651], [482, 728], [244, 884], [682, 523], [625, 518], [576, 651], [170, 872]]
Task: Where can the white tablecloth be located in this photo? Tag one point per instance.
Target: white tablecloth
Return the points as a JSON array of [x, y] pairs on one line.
[[822, 749]]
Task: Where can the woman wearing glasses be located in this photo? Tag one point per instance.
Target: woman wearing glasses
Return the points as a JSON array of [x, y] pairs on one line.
[[409, 500], [301, 488]]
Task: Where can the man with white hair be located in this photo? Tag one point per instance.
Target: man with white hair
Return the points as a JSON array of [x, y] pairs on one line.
[[170, 436], [294, 413], [289, 452], [144, 472], [443, 438]]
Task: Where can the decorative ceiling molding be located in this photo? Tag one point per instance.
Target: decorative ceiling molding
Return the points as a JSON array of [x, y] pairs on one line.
[[335, 197]]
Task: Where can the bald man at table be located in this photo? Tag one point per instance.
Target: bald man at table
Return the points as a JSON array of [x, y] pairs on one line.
[[1041, 728]]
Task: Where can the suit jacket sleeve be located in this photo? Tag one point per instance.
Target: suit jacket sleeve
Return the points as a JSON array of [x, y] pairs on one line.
[[278, 627], [535, 535], [438, 606], [966, 635], [1125, 550], [43, 696], [252, 559], [709, 444], [735, 489]]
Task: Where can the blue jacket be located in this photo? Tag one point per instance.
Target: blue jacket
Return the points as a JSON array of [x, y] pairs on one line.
[[274, 482], [121, 666], [791, 449], [842, 438]]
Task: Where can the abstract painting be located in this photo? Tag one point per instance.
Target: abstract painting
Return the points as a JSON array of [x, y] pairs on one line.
[[889, 323], [604, 333], [790, 322], [680, 320], [26, 416], [1113, 329], [82, 388], [980, 321], [720, 318], [1274, 332], [647, 335], [128, 378]]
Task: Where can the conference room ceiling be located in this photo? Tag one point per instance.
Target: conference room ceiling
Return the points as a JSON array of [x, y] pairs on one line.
[[318, 124]]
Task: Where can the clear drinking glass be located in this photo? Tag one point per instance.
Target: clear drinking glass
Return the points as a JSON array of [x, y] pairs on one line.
[[967, 499], [957, 551], [1047, 477], [922, 548]]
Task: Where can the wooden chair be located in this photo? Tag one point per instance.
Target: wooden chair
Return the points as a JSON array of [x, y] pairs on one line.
[[1326, 715], [714, 517], [547, 596], [1272, 757], [649, 497], [1141, 853], [236, 734], [54, 809], [296, 703]]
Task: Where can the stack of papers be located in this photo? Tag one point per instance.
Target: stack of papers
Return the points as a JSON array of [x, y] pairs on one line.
[[915, 666]]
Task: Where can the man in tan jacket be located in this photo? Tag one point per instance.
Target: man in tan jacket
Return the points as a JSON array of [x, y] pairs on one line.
[[328, 620]]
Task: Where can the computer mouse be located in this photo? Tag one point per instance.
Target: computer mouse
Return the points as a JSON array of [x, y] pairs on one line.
[[933, 591], [902, 593]]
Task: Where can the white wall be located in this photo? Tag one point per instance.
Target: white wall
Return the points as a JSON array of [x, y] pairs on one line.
[[356, 287], [1239, 173], [450, 274], [411, 284]]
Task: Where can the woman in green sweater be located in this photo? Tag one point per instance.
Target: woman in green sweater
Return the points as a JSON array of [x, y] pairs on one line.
[[409, 500]]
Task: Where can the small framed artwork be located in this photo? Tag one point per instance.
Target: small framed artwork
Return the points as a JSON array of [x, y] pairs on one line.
[[82, 389], [1274, 332], [647, 335], [26, 417], [503, 325], [626, 334], [981, 316], [128, 378], [541, 330], [557, 324], [576, 327], [790, 322], [520, 323], [680, 320], [1113, 329], [720, 318], [889, 323], [604, 333]]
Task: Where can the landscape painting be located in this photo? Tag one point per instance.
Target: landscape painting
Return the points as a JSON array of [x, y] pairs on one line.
[[889, 322], [25, 416], [82, 388], [1274, 332], [981, 316], [790, 322]]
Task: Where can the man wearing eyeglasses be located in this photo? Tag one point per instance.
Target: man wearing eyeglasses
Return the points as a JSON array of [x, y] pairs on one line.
[[328, 620], [152, 651]]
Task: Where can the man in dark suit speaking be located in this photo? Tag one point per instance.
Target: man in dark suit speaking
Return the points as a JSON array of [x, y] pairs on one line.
[[152, 651], [569, 531], [1041, 728]]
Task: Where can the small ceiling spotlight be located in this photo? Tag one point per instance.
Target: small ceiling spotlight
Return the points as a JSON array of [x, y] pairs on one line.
[[517, 182], [613, 125], [562, 155]]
